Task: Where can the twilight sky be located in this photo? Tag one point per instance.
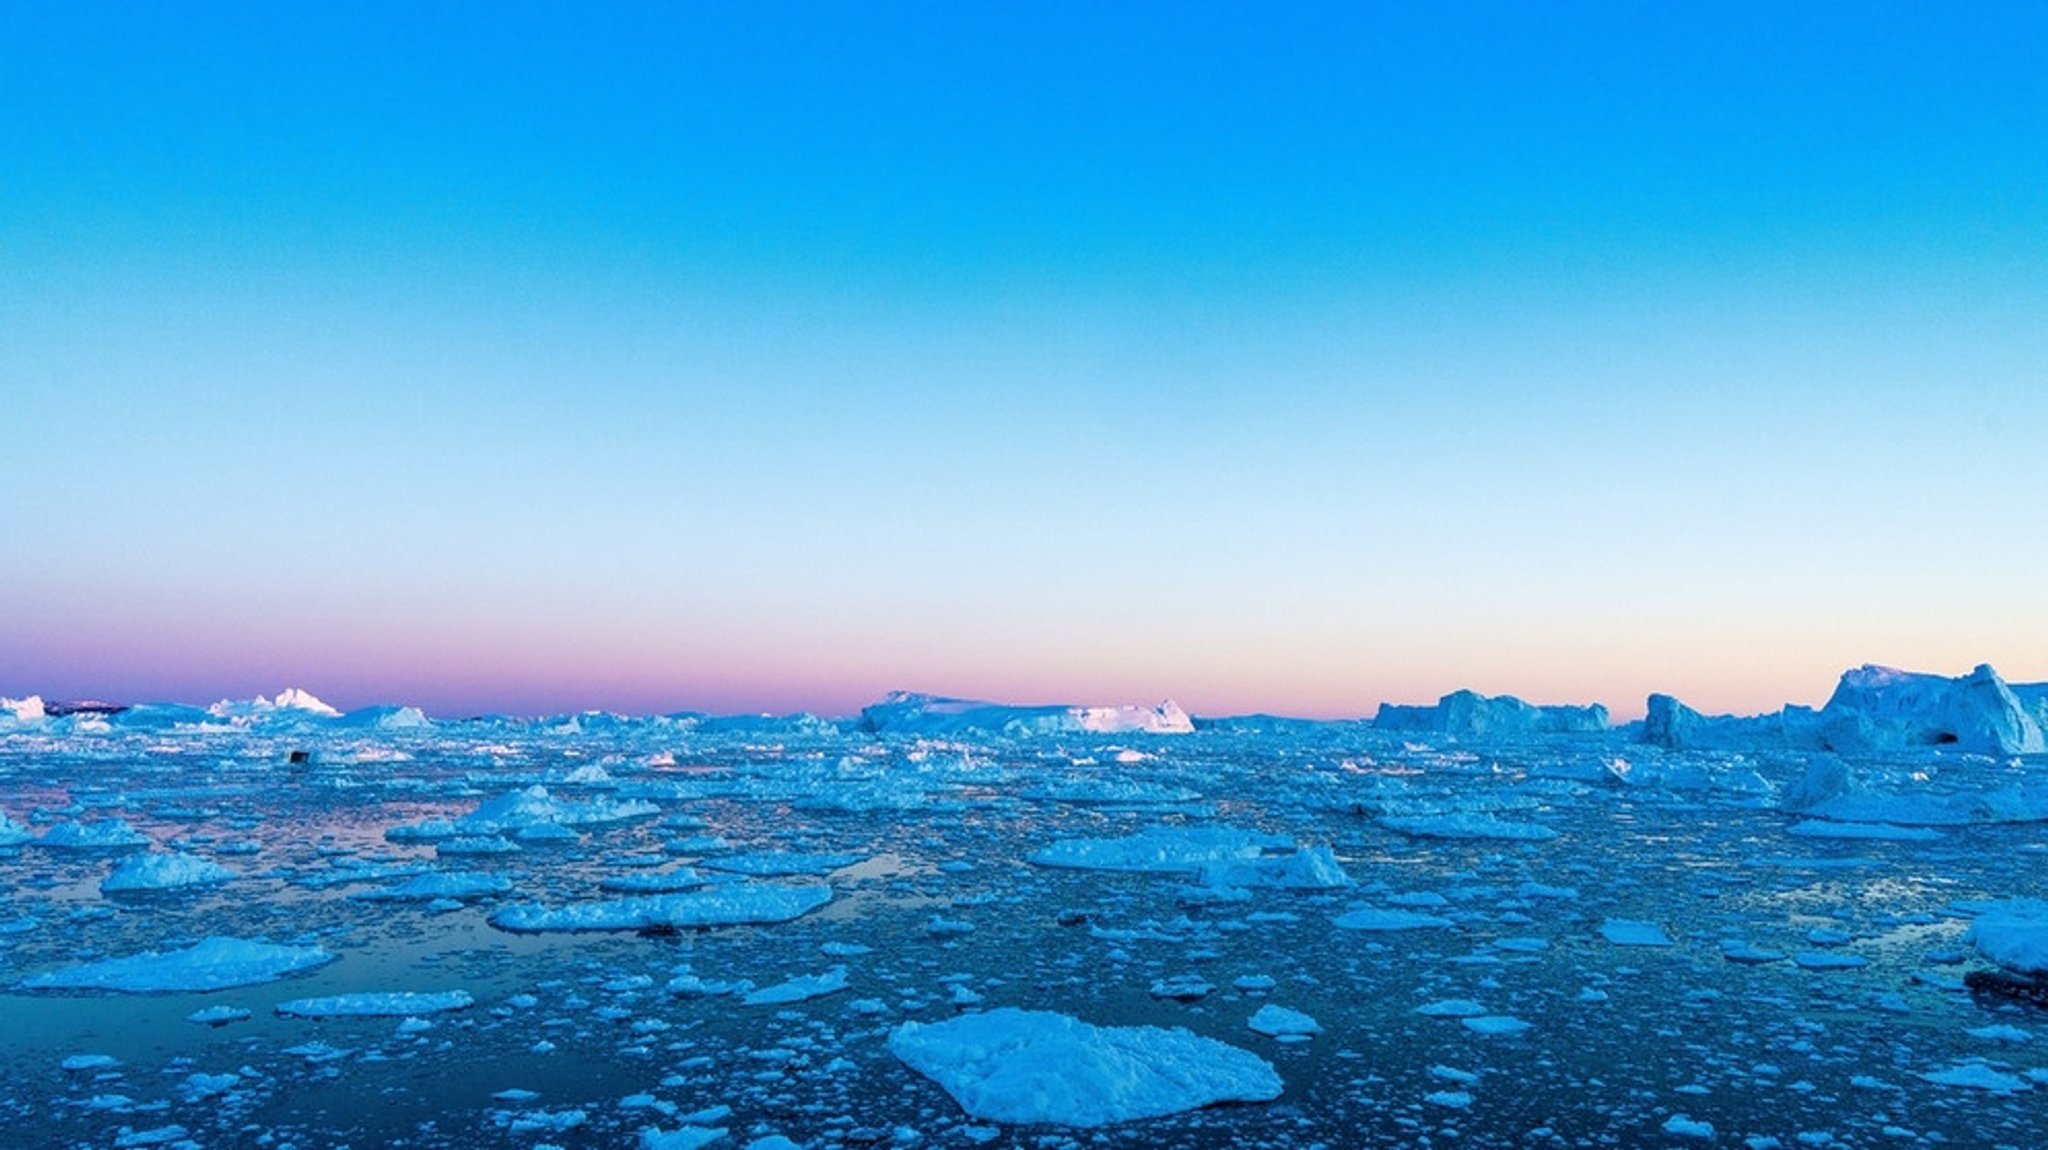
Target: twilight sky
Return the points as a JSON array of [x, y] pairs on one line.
[[770, 356]]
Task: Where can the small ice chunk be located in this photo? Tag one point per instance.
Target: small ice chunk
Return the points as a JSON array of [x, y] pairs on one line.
[[1680, 1126], [1632, 932], [1389, 920], [686, 1138], [1276, 1021], [799, 989]]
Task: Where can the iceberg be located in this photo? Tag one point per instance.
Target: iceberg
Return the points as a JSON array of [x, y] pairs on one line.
[[290, 704], [215, 963], [1877, 709], [1468, 714], [908, 713], [1030, 1066]]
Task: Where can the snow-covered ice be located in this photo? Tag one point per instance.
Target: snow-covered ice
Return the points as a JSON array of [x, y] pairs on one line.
[[1035, 1066], [215, 963]]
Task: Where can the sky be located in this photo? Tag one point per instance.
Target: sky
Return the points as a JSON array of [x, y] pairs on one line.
[[768, 357]]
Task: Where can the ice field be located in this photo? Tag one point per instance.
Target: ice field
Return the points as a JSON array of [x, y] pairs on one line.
[[958, 925]]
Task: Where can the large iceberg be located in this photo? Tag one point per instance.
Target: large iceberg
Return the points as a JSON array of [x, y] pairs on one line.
[[1874, 710], [1881, 708], [906, 713], [1028, 1066], [1469, 714]]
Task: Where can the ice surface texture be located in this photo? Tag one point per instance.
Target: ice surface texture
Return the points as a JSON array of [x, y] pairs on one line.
[[215, 963], [1030, 1066], [733, 904]]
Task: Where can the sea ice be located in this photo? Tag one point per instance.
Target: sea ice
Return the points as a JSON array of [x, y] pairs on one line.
[[1468, 826], [1384, 920], [164, 872], [2014, 934], [799, 989], [1023, 1066], [732, 904], [440, 885], [1162, 850], [101, 835], [1630, 932], [1278, 1021], [390, 1004], [215, 963]]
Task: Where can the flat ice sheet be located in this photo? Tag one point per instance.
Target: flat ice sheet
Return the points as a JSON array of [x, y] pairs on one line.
[[1031, 1066], [215, 963]]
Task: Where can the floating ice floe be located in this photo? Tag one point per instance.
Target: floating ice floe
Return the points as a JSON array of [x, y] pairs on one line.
[[152, 872], [1494, 1024], [1026, 1066], [1630, 932], [216, 963], [387, 1004], [99, 835], [2014, 934], [1371, 918], [1163, 850], [685, 1138], [1977, 1076], [1280, 1022], [799, 989], [670, 881], [732, 904], [1310, 868], [440, 885], [777, 864], [1881, 832]]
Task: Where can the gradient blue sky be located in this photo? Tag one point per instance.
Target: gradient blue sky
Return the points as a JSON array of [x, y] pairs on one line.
[[763, 357]]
